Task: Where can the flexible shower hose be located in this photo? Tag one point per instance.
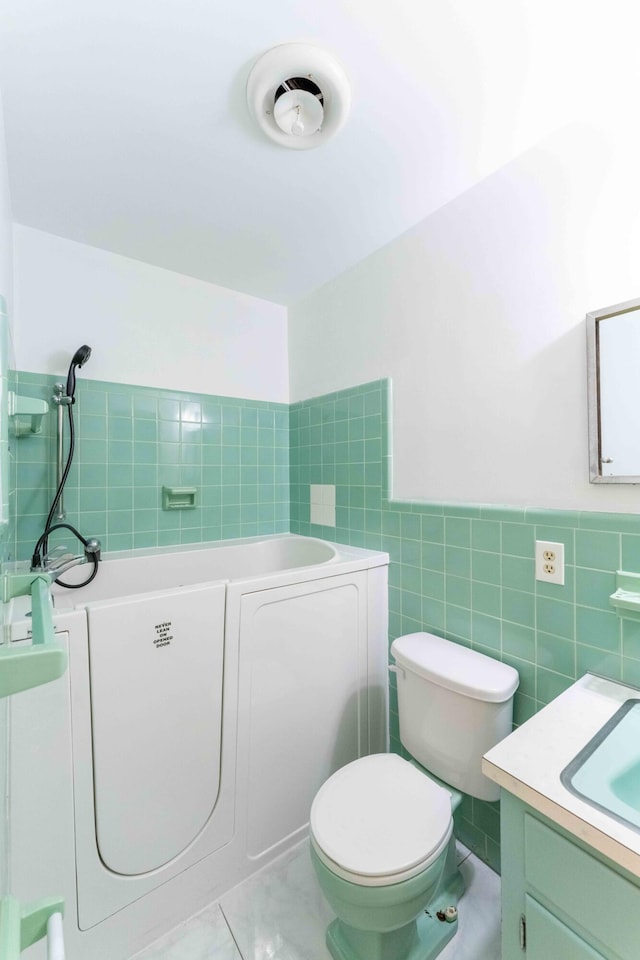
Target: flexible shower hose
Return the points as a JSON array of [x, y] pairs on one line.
[[42, 546]]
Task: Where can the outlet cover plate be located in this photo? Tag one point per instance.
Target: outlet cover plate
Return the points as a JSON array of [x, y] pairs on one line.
[[550, 562]]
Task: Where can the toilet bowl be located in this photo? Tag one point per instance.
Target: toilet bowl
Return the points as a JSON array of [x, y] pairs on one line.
[[381, 828], [382, 841]]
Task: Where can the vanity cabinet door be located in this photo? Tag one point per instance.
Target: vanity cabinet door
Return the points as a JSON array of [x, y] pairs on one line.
[[548, 938], [577, 905], [590, 895]]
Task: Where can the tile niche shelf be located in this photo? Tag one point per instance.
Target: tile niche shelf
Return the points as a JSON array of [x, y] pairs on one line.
[[26, 413], [626, 599]]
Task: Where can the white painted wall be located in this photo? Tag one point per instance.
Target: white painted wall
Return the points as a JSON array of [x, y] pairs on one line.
[[6, 252], [477, 314], [145, 325], [5, 290]]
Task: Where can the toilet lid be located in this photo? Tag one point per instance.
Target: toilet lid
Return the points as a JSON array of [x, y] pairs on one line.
[[380, 817]]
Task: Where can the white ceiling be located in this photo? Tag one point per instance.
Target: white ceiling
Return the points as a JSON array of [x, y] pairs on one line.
[[127, 126]]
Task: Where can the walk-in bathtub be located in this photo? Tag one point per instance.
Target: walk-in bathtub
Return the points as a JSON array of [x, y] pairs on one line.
[[210, 691]]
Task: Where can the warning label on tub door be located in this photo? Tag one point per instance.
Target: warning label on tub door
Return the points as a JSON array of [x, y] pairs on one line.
[[164, 636]]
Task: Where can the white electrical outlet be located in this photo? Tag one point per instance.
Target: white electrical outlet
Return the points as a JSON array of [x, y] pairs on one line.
[[550, 561]]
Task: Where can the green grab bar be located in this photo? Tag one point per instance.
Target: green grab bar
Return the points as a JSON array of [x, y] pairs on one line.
[[42, 612], [22, 668], [20, 927]]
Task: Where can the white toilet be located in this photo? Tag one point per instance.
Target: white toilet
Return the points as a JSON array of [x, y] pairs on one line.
[[381, 827]]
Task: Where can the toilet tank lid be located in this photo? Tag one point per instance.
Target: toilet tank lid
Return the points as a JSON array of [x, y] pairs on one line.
[[455, 667]]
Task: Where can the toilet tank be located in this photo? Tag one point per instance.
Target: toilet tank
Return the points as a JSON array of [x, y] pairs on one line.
[[454, 705]]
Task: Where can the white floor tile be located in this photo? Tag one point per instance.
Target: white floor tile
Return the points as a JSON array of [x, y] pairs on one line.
[[478, 936], [205, 936], [280, 914]]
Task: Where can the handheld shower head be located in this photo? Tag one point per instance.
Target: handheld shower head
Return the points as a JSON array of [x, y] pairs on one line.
[[80, 357]]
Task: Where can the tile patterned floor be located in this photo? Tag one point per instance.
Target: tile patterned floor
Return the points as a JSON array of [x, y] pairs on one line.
[[280, 914]]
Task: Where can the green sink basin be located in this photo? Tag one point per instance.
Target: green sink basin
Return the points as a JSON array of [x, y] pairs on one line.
[[606, 772]]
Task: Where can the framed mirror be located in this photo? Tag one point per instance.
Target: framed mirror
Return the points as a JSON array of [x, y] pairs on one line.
[[613, 373]]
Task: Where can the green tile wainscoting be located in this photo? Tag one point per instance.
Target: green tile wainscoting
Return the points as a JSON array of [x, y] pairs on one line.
[[466, 571], [130, 441], [463, 571]]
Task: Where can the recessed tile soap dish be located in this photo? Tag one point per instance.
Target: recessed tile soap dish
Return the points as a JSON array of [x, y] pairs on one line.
[[21, 408], [179, 498], [626, 599]]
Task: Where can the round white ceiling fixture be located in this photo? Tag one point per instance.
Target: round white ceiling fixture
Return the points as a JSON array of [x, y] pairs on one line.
[[299, 95]]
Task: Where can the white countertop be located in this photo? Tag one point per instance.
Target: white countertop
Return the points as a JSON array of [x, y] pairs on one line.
[[528, 764]]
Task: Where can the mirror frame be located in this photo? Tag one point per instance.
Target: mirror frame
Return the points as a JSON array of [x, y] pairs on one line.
[[594, 387]]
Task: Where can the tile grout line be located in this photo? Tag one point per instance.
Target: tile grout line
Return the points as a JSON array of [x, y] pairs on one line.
[[231, 933]]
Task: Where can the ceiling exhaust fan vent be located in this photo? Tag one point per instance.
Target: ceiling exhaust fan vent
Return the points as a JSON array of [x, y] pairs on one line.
[[299, 95]]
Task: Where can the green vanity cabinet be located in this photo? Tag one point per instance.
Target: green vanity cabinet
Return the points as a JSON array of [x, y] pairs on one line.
[[560, 899]]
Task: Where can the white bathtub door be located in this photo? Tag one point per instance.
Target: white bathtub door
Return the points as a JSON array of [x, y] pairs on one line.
[[303, 652], [156, 665]]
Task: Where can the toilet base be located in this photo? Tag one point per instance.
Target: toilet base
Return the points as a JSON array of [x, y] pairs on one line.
[[422, 939]]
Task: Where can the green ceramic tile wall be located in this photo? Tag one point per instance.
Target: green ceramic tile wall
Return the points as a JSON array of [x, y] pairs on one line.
[[466, 572], [133, 440]]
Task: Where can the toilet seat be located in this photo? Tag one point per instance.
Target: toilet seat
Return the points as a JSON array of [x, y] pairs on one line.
[[379, 821]]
